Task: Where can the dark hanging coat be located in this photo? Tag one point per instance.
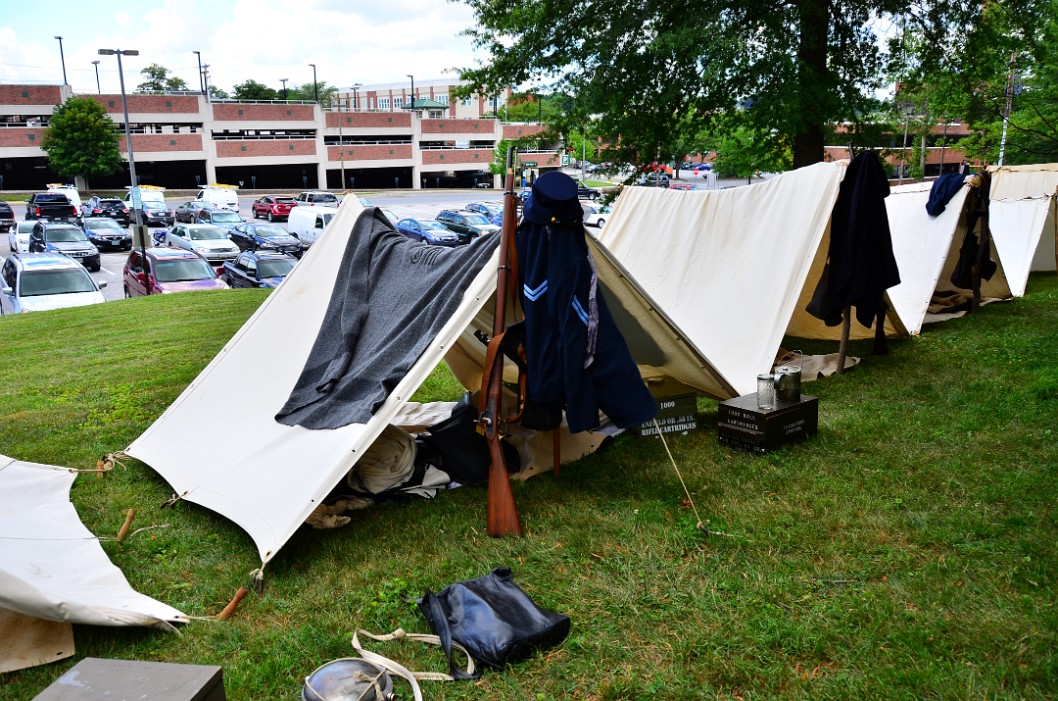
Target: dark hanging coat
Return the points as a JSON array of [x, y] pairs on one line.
[[576, 356]]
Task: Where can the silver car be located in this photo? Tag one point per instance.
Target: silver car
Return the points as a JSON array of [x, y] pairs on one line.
[[210, 242]]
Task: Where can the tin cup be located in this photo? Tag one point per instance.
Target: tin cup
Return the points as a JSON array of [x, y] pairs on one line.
[[766, 391]]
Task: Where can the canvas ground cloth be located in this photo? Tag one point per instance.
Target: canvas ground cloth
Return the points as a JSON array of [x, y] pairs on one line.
[[52, 569]]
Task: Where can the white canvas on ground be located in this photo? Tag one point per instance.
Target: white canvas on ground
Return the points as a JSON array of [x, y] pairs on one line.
[[1022, 219], [52, 567], [728, 266]]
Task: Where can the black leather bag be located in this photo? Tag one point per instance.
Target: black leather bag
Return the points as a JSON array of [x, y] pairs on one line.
[[493, 619]]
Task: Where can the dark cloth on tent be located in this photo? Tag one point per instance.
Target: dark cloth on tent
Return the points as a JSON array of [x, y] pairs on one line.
[[944, 188], [391, 297], [861, 264], [576, 356], [962, 275]]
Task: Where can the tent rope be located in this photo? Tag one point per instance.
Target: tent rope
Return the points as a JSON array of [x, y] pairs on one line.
[[701, 525]]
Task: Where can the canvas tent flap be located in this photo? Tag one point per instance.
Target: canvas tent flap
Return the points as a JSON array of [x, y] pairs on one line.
[[1022, 219], [51, 566], [727, 266]]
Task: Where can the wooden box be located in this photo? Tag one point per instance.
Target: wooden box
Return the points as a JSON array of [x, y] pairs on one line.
[[95, 679], [741, 425]]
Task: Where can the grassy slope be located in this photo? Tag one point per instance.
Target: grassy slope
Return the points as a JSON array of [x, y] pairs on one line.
[[906, 552]]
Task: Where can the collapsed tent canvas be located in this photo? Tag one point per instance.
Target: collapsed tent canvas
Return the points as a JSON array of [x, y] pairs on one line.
[[734, 269], [52, 567], [927, 249], [1023, 218], [222, 469]]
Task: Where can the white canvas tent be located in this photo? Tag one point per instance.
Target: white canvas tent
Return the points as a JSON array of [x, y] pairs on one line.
[[1023, 218], [735, 268], [268, 477], [53, 572], [927, 248]]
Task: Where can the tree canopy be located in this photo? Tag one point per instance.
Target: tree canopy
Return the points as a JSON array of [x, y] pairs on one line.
[[159, 79], [252, 90], [656, 72], [82, 140]]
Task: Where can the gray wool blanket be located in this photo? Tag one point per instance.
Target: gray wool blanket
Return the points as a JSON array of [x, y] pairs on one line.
[[390, 299]]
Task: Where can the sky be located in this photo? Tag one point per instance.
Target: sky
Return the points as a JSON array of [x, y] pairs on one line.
[[351, 41]]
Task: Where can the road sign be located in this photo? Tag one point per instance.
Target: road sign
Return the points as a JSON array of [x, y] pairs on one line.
[[137, 203], [529, 164]]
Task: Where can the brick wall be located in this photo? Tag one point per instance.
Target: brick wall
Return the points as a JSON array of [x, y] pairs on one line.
[[515, 131], [228, 112], [20, 137], [370, 120], [379, 152], [473, 155], [149, 104], [153, 143], [278, 147], [458, 126], [30, 95]]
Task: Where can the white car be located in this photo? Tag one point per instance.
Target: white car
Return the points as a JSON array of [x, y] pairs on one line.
[[18, 237], [34, 282], [210, 242], [598, 217]]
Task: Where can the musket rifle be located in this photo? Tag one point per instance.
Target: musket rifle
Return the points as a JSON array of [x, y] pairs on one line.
[[502, 512]]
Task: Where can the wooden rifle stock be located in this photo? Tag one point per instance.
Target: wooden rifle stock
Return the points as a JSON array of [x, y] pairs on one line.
[[502, 512]]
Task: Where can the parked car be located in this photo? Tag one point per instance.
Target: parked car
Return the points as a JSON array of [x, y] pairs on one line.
[[223, 218], [33, 282], [18, 237], [64, 238], [71, 193], [273, 207], [104, 232], [155, 213], [168, 270], [249, 236], [7, 217], [188, 211], [210, 242], [597, 217], [307, 224], [703, 167], [585, 192], [317, 198], [428, 231], [50, 205], [393, 218], [148, 193], [492, 210], [258, 269], [682, 186], [469, 225], [223, 196], [111, 207], [651, 179]]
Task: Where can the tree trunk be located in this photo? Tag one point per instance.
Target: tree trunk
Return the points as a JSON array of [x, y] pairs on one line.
[[809, 141]]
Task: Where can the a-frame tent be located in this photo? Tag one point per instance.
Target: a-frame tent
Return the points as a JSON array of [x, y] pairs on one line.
[[927, 249], [1023, 218], [268, 477], [735, 268]]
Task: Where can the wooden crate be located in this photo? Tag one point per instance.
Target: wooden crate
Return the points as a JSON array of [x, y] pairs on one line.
[[741, 425]]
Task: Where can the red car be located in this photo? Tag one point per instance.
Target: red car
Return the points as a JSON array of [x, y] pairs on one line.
[[273, 207]]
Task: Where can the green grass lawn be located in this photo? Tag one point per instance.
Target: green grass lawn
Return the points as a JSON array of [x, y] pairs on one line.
[[908, 551]]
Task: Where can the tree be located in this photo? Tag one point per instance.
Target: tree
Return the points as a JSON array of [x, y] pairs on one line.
[[306, 92], [82, 140], [159, 80], [252, 90], [790, 67]]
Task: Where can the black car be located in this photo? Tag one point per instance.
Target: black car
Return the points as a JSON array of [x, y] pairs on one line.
[[111, 207], [7, 217], [50, 205], [67, 239], [156, 214], [258, 269], [249, 236], [583, 191], [105, 232]]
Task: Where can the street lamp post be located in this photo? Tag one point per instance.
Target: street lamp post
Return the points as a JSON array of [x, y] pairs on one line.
[[205, 80], [412, 91], [356, 97], [284, 82], [315, 85], [341, 142], [201, 82], [99, 90], [136, 204], [62, 58]]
